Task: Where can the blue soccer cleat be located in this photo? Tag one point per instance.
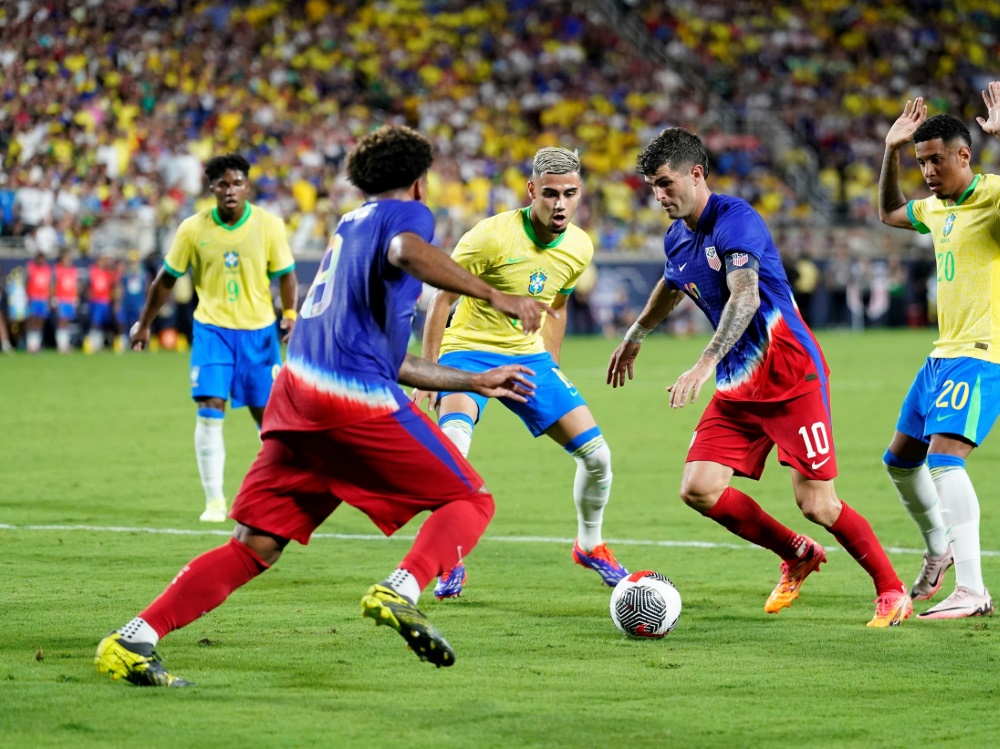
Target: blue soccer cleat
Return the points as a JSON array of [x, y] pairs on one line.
[[602, 560], [449, 585]]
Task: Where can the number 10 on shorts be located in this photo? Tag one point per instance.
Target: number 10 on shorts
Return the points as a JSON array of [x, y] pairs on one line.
[[820, 442]]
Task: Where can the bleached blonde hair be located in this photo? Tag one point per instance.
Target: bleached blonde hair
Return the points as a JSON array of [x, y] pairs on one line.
[[554, 160]]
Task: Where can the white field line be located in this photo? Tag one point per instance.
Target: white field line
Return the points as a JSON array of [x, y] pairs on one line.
[[378, 537]]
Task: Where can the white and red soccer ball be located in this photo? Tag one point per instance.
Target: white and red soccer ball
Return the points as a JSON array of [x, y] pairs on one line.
[[645, 604]]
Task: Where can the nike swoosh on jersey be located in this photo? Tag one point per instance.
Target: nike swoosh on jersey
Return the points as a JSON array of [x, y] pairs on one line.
[[512, 260], [681, 269], [817, 466], [945, 415]]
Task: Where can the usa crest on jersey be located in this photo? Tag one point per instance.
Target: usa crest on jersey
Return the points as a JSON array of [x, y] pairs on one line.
[[713, 258], [536, 282]]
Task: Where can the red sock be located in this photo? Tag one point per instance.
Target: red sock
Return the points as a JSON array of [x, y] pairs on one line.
[[854, 533], [457, 524], [204, 583], [739, 514]]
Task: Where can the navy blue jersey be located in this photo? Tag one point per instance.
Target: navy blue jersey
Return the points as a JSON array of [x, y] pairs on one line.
[[354, 325], [777, 358]]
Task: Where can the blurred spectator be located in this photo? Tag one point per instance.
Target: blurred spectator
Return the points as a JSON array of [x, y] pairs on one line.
[[67, 300], [39, 288]]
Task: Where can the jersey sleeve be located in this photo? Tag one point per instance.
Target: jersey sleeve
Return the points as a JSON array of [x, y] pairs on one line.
[[915, 212], [279, 254], [474, 250], [586, 256], [414, 217], [740, 229], [179, 257]]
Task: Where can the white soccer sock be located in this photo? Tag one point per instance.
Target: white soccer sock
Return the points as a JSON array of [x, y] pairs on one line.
[[960, 507], [919, 496], [62, 339], [210, 452], [403, 582], [458, 428], [96, 340], [33, 341], [591, 491], [138, 630]]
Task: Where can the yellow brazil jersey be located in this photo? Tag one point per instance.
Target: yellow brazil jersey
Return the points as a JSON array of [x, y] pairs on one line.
[[967, 245], [232, 266], [505, 252]]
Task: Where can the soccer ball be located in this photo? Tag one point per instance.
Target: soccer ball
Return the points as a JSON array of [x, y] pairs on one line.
[[645, 604]]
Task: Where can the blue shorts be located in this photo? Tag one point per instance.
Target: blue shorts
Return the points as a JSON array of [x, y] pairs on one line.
[[100, 314], [952, 396], [554, 395], [234, 364], [38, 308], [66, 311]]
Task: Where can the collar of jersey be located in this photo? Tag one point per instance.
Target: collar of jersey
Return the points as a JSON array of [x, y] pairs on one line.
[[530, 231], [968, 190], [238, 224]]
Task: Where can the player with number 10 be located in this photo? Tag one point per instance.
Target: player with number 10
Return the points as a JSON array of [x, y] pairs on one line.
[[771, 377]]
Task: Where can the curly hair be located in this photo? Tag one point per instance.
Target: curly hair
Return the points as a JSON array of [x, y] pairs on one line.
[[675, 147], [943, 126], [389, 158], [217, 166]]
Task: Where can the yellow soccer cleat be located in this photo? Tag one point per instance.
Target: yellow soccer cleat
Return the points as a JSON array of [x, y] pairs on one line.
[[793, 574], [136, 662], [891, 609], [386, 606]]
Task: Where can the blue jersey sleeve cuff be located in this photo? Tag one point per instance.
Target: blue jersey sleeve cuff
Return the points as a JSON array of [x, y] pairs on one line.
[[279, 273], [918, 225], [172, 271]]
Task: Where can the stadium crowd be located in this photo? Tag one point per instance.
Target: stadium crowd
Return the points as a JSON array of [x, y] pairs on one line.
[[109, 110], [837, 72]]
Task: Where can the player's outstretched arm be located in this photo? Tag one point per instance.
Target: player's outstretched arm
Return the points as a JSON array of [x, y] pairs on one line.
[[434, 325], [744, 300], [410, 253], [891, 201], [509, 381], [662, 301], [554, 330], [991, 97], [158, 293]]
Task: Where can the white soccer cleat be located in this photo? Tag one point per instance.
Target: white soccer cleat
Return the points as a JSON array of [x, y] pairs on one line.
[[215, 511], [961, 604], [931, 575]]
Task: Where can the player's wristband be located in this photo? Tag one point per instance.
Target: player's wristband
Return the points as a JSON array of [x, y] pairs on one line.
[[289, 314], [636, 333]]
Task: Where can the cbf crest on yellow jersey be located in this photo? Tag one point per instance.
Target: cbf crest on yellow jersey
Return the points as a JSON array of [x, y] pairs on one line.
[[505, 252], [232, 266], [967, 245]]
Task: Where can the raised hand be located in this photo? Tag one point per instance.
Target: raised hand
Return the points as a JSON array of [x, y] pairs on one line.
[[901, 132], [991, 124]]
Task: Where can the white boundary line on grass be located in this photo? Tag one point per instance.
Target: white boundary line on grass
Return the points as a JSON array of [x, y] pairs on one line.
[[377, 537]]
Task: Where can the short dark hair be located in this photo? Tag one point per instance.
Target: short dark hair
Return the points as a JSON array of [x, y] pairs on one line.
[[217, 166], [944, 126], [389, 158], [675, 147]]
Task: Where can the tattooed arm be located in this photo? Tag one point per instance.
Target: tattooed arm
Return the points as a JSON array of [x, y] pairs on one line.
[[509, 381], [736, 316]]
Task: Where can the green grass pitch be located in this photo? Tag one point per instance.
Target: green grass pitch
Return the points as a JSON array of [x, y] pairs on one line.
[[97, 451]]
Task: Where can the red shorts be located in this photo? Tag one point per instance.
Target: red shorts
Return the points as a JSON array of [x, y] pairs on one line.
[[740, 434], [391, 467]]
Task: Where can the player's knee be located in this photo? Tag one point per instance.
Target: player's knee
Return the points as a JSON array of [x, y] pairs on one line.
[[483, 501], [698, 495], [820, 509], [598, 462]]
